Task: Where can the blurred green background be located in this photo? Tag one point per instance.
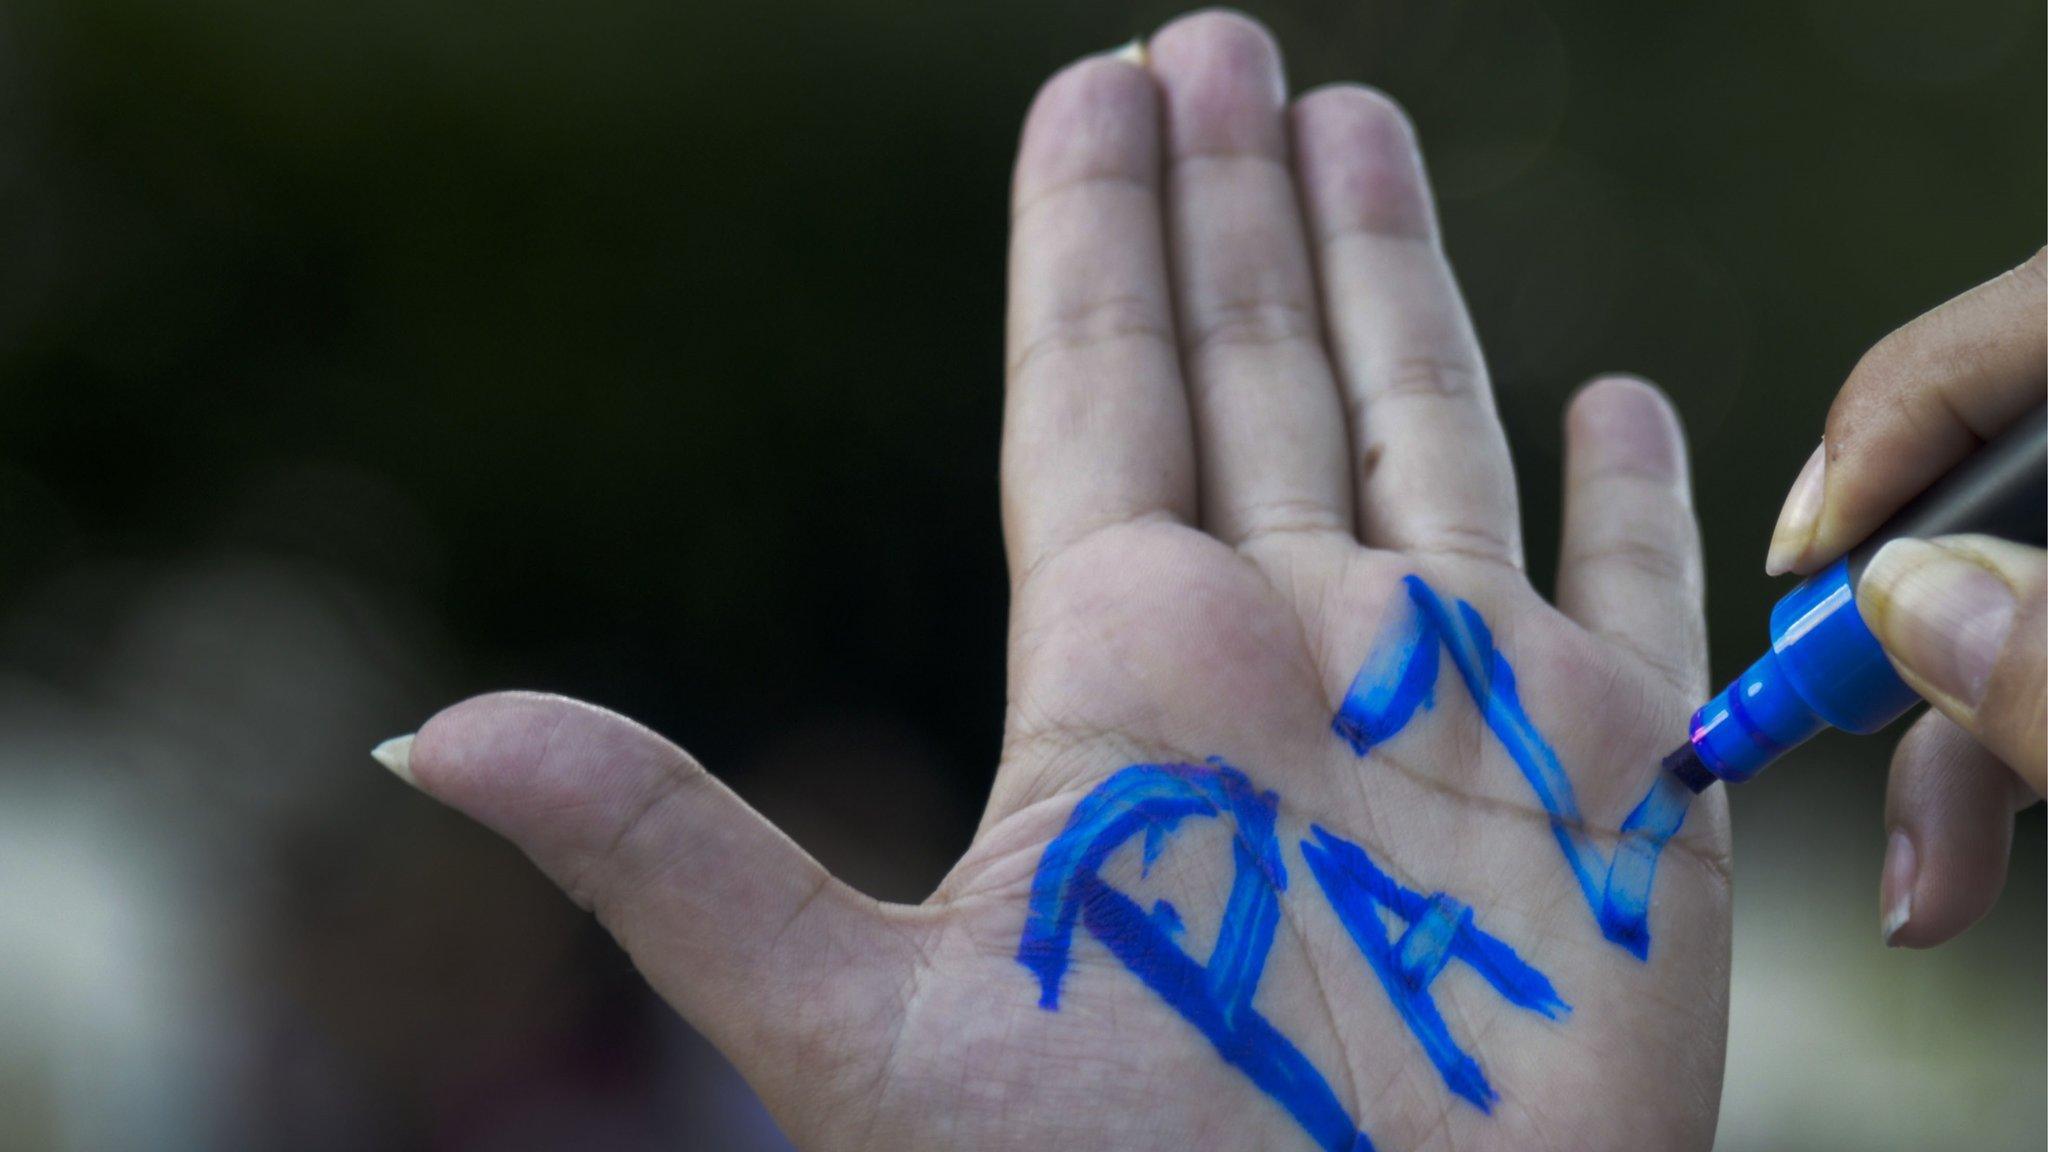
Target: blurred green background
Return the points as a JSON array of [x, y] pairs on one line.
[[356, 356]]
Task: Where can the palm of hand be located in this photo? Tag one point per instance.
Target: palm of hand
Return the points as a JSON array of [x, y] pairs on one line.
[[1159, 645], [1139, 638]]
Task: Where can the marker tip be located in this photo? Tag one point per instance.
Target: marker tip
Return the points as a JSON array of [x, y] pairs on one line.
[[1684, 763]]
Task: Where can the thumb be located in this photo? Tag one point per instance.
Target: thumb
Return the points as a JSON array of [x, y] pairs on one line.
[[1962, 619], [753, 941]]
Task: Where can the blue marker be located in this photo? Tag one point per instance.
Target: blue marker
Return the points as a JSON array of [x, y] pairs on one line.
[[1825, 669]]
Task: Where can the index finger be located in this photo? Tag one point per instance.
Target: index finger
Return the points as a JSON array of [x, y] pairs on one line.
[[1917, 404], [1095, 429]]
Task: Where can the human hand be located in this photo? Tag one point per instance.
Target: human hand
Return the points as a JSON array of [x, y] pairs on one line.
[[1250, 466], [1961, 617]]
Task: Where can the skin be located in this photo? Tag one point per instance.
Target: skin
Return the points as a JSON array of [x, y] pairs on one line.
[[1919, 402], [1244, 400]]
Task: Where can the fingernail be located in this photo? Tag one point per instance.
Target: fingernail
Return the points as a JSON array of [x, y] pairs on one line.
[[1901, 869], [1940, 615], [1797, 519], [1134, 53], [396, 754]]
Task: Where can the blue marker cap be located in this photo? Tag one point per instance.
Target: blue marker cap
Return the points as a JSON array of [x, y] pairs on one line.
[[1825, 669]]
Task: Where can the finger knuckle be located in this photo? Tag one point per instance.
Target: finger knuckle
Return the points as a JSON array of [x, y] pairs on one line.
[[1423, 376], [1475, 542], [1253, 323], [1092, 324], [1659, 562], [1091, 124]]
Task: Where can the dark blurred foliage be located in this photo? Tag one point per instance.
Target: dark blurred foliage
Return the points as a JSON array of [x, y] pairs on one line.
[[650, 352], [677, 325]]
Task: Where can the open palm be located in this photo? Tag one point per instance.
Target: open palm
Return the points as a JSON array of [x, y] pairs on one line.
[[1249, 450]]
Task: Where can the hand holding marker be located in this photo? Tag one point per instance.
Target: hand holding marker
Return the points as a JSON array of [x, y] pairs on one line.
[[1826, 668], [1941, 598]]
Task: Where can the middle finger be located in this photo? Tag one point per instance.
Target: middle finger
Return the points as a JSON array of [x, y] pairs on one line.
[[1268, 421], [1432, 462]]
